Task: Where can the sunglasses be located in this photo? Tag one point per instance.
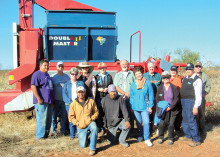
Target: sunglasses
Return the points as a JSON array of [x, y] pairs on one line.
[[74, 74], [81, 91], [60, 66], [166, 77], [198, 66]]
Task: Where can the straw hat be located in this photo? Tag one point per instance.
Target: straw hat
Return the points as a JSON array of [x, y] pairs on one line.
[[85, 65]]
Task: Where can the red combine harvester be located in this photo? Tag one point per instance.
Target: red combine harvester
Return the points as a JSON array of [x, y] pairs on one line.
[[75, 32]]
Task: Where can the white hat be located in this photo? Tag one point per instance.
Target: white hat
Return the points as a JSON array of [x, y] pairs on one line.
[[60, 63], [166, 73], [80, 88]]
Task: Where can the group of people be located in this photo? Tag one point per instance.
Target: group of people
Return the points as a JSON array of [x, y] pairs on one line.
[[102, 104]]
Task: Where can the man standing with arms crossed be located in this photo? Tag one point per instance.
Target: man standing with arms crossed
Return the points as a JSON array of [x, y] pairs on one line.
[[59, 79], [42, 87], [123, 81]]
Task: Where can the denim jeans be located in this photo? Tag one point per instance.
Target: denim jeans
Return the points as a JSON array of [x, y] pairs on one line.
[[99, 120], [43, 120], [112, 132], [143, 117], [189, 124], [71, 126], [82, 135], [59, 106]]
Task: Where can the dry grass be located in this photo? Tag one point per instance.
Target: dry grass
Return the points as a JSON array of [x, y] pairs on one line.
[[17, 130]]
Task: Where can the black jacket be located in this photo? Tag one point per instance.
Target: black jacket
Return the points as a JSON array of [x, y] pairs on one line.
[[174, 106], [104, 84]]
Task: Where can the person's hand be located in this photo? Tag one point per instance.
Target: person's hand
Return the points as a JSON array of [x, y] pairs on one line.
[[149, 110], [127, 95], [195, 111], [40, 101], [127, 124], [105, 90], [105, 130], [168, 109], [100, 89]]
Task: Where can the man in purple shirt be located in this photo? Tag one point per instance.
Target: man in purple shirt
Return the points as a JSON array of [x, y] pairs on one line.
[[42, 87]]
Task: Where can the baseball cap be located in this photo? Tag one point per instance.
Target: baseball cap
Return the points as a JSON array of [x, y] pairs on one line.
[[166, 73], [173, 68], [60, 63], [189, 66], [80, 88], [102, 65], [198, 63]]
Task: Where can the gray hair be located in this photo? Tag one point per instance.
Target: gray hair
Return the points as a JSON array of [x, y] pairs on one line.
[[151, 63], [123, 60], [74, 70]]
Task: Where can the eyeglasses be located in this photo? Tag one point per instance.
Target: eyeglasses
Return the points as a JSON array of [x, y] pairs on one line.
[[60, 66], [80, 91], [166, 77], [198, 66]]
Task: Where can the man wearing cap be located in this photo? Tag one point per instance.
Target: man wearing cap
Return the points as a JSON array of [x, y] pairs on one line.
[[205, 90], [115, 116], [87, 78], [42, 87], [59, 79], [123, 81], [83, 112], [191, 99], [176, 80], [103, 80]]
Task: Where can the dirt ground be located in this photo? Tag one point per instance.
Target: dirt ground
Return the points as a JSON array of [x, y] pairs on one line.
[[17, 138]]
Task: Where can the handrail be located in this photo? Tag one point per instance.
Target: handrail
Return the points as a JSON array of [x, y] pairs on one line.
[[139, 45]]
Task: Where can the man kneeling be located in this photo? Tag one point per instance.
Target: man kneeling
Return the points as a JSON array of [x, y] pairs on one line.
[[83, 113], [115, 116]]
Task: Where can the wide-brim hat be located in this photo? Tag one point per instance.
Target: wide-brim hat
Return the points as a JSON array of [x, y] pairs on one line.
[[85, 65]]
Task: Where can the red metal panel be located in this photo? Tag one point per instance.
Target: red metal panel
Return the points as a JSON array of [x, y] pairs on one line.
[[64, 5], [25, 14], [29, 46]]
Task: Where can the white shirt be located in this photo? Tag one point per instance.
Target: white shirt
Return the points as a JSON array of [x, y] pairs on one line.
[[74, 96], [125, 76], [198, 90]]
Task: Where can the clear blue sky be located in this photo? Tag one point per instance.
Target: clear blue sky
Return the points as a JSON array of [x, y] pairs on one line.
[[165, 25]]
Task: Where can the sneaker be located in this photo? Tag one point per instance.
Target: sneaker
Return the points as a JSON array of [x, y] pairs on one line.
[[148, 142], [92, 152], [185, 139], [170, 142], [109, 142], [125, 144], [140, 139], [194, 144], [160, 141]]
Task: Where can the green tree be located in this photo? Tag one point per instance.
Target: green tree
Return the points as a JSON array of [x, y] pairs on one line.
[[186, 56]]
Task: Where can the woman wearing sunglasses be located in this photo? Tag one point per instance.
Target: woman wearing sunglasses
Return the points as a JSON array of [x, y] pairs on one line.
[[69, 94], [167, 99]]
